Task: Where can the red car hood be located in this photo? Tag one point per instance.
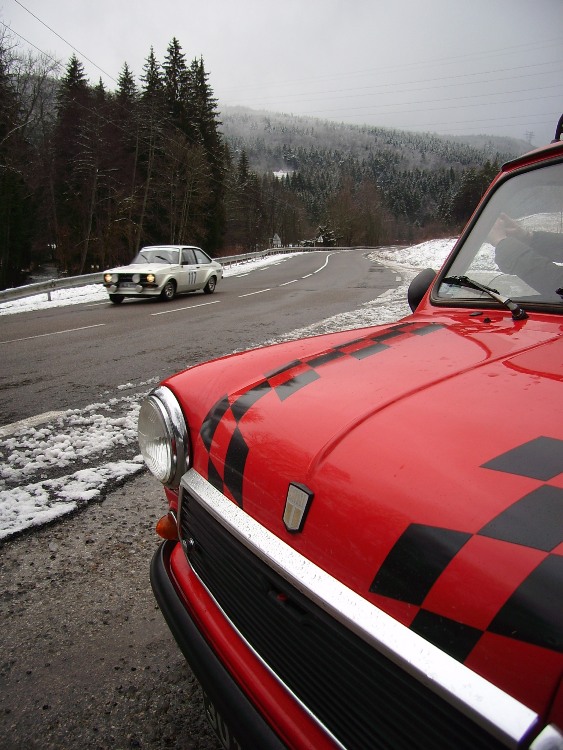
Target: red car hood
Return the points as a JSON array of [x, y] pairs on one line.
[[433, 496]]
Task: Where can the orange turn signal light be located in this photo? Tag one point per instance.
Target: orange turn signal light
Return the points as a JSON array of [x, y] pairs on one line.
[[167, 527]]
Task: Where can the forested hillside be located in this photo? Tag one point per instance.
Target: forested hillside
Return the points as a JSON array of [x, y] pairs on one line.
[[269, 137], [88, 175], [420, 182]]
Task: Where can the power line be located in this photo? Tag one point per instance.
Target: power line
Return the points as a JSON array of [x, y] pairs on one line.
[[419, 64], [441, 81], [379, 89], [468, 123], [368, 71], [77, 51], [481, 99]]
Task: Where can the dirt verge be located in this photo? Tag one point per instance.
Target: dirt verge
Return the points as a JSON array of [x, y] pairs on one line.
[[87, 660]]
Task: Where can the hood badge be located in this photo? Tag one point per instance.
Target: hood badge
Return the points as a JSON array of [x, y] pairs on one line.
[[297, 504]]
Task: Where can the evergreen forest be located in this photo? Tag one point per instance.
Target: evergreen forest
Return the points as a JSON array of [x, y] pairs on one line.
[[88, 176]]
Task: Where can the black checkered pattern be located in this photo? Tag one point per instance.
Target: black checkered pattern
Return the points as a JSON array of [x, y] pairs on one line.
[[533, 612], [285, 382]]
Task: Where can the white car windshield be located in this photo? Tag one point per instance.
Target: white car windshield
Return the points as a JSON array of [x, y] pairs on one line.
[[157, 255], [516, 245]]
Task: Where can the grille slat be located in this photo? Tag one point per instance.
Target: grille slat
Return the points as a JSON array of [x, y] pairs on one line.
[[360, 696]]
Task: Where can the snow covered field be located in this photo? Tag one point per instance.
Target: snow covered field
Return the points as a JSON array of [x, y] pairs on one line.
[[39, 479]]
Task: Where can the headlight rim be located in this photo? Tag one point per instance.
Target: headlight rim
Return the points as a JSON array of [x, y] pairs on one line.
[[177, 432]]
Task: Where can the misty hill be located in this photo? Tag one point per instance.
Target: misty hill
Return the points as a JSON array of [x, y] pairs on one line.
[[423, 181], [276, 142]]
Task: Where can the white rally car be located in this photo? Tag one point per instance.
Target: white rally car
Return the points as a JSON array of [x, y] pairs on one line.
[[164, 271]]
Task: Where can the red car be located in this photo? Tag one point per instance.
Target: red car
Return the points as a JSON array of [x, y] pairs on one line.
[[364, 537]]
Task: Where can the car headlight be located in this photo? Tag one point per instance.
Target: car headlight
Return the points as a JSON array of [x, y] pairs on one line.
[[150, 278], [108, 278], [163, 436], [136, 278]]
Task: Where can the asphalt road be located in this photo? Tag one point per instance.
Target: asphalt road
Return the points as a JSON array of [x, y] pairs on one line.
[[70, 357], [87, 660]]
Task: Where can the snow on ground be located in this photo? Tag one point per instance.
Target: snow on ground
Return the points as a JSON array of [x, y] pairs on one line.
[[58, 462], [97, 293]]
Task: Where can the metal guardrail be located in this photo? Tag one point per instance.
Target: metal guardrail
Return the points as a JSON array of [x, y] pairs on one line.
[[40, 287], [71, 282]]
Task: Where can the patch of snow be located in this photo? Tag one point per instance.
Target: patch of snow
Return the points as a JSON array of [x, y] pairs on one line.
[[97, 294]]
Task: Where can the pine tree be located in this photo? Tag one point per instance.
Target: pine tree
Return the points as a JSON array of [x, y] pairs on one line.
[[126, 88], [92, 166], [176, 87], [73, 109], [205, 121], [243, 170], [120, 235], [152, 78], [15, 202], [152, 123], [470, 190]]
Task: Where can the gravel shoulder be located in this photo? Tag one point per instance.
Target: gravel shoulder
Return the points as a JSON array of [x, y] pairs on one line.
[[87, 659]]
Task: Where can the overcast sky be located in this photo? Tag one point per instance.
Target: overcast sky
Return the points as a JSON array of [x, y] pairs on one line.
[[448, 66]]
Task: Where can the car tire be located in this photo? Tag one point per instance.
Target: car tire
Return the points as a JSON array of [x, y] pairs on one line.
[[117, 299], [209, 288], [169, 290]]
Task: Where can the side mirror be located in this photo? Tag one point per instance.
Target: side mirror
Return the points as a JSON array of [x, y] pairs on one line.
[[419, 286]]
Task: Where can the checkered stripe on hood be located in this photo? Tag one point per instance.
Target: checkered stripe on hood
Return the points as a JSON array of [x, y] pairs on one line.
[[424, 556], [285, 381]]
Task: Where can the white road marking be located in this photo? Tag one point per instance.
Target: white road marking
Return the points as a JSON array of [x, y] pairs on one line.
[[54, 333], [190, 307], [250, 294], [325, 264], [285, 283]]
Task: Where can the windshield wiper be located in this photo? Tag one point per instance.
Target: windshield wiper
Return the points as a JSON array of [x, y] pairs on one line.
[[518, 313]]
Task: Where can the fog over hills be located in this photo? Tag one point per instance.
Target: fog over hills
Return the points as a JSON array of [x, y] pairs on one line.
[[272, 142]]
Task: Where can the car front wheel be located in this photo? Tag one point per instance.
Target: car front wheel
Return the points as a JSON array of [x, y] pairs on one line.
[[168, 291], [209, 288]]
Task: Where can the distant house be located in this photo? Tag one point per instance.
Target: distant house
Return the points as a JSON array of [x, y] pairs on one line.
[[276, 242]]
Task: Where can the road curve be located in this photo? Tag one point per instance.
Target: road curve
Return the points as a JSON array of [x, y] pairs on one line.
[[69, 357]]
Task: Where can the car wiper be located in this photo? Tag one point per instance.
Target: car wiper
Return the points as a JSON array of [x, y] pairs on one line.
[[518, 313]]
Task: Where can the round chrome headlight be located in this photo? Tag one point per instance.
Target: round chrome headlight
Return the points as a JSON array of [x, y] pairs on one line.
[[108, 278], [136, 278], [163, 436], [150, 278]]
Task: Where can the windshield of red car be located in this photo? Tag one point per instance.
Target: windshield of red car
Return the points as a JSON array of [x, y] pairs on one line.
[[516, 244]]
